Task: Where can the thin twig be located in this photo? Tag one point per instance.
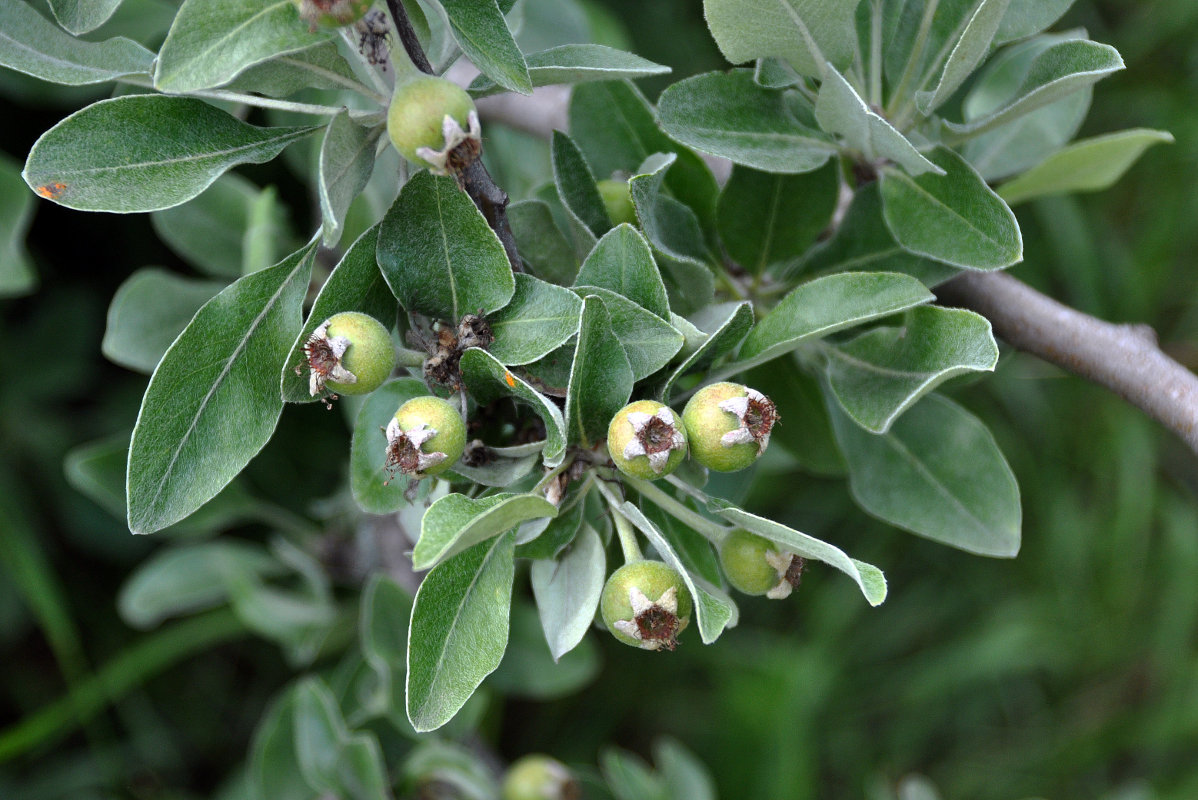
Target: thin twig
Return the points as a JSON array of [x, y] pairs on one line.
[[407, 36], [1123, 358]]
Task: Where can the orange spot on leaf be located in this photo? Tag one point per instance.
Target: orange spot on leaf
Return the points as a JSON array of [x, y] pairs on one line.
[[51, 190], [507, 377]]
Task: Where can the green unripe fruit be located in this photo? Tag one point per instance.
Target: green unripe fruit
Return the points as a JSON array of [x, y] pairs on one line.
[[426, 437], [728, 425], [417, 114], [646, 440], [618, 201], [332, 13], [646, 604], [370, 356], [743, 557], [539, 777]]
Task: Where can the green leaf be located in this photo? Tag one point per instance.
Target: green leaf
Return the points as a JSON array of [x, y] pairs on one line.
[[540, 318], [649, 342], [727, 114], [482, 33], [212, 41], [1088, 165], [213, 402], [806, 432], [81, 16], [16, 214], [600, 377], [955, 218], [1025, 17], [361, 774], [383, 629], [868, 577], [829, 304], [629, 778], [439, 255], [685, 776], [576, 186], [319, 733], [170, 148], [567, 590], [880, 374], [529, 671], [576, 63], [862, 242], [487, 379], [672, 228], [499, 471], [31, 44], [147, 312], [355, 284], [967, 53], [1063, 68], [346, 161], [623, 263], [274, 765], [725, 335], [806, 33], [318, 67], [264, 230], [208, 231], [714, 610], [459, 630], [841, 111], [368, 451], [541, 243], [455, 523], [937, 473], [765, 218], [561, 530]]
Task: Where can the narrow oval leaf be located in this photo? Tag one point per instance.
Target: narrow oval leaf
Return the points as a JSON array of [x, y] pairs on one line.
[[937, 473], [576, 185], [567, 590], [540, 318], [487, 379], [170, 148], [274, 770], [481, 31], [368, 450], [147, 312], [213, 402], [880, 374], [600, 376], [346, 161], [954, 218], [576, 63], [623, 263], [320, 732], [723, 340], [319, 67], [1025, 17], [1088, 165], [354, 285], [829, 304], [211, 41], [459, 630], [439, 255], [81, 16], [32, 44], [868, 577], [208, 231], [649, 342], [455, 522], [840, 110], [542, 244], [16, 214], [727, 114], [714, 610], [967, 53], [806, 33]]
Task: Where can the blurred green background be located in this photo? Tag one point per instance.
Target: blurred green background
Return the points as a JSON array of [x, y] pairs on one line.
[[1069, 672]]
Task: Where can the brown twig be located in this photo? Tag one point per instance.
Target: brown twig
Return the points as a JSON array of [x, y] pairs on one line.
[[474, 179], [1123, 358]]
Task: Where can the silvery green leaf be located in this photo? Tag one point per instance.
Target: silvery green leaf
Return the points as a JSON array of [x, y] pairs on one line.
[[600, 376], [685, 776], [170, 148], [576, 186], [459, 630], [954, 218], [623, 263], [346, 161], [541, 243], [561, 530], [208, 231], [969, 50], [31, 44], [274, 769], [567, 590], [487, 379], [649, 342], [320, 732], [439, 255], [806, 33], [368, 450], [482, 33], [728, 114], [840, 110], [81, 16], [499, 471], [318, 67], [212, 41], [455, 523], [1025, 17], [883, 372], [540, 318], [16, 214], [147, 312], [576, 63], [937, 473], [724, 338], [213, 402]]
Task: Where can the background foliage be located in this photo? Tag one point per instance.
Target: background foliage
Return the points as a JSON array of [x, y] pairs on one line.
[[1068, 672]]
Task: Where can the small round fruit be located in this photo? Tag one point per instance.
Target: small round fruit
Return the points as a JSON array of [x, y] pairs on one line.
[[728, 425], [646, 440], [370, 356], [332, 13], [539, 777], [646, 604], [426, 437], [618, 201], [417, 113], [743, 557]]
